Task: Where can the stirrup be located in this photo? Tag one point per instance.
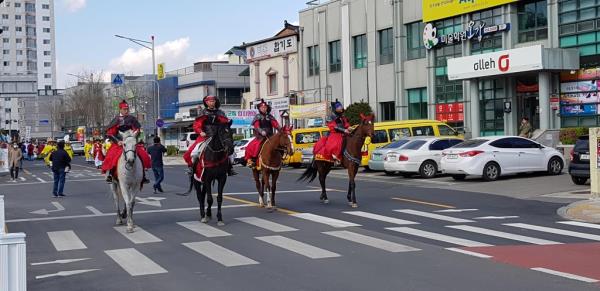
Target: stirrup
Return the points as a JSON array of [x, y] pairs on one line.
[[109, 179]]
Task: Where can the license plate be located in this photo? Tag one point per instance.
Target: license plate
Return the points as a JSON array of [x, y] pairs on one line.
[[584, 157], [306, 160], [452, 156], [391, 157], [376, 157]]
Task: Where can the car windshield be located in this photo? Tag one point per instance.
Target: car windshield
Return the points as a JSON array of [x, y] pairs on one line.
[[582, 144], [242, 142], [414, 145], [396, 144], [470, 143]]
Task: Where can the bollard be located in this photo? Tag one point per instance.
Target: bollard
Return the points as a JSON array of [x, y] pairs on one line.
[[13, 257], [2, 221]]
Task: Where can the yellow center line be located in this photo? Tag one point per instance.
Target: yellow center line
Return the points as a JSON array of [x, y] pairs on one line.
[[287, 211], [424, 202]]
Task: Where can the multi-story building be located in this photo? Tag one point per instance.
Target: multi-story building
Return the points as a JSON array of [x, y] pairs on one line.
[[480, 67], [41, 116]]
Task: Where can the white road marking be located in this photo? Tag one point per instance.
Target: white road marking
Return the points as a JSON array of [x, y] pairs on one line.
[[582, 224], [134, 262], [46, 182], [278, 192], [41, 180], [65, 273], [94, 210], [139, 236], [325, 220], [456, 210], [496, 217], [433, 216], [439, 237], [66, 240], [371, 241], [219, 254], [505, 235], [203, 229], [266, 224], [56, 204], [298, 247], [152, 201], [22, 179], [470, 253], [555, 231], [566, 275], [66, 261], [381, 217]]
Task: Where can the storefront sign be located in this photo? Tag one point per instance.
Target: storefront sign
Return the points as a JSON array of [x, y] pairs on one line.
[[450, 112], [278, 106], [314, 110], [272, 48], [241, 118], [581, 109], [579, 98], [554, 102], [581, 86], [496, 63], [440, 9], [580, 75], [473, 31]]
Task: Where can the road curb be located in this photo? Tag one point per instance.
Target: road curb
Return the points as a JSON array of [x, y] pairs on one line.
[[585, 211]]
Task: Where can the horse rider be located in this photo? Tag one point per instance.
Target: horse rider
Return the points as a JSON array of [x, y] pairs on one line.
[[122, 123], [204, 126], [338, 126], [264, 125]]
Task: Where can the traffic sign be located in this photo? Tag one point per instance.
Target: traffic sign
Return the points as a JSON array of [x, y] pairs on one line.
[[160, 123], [117, 79]]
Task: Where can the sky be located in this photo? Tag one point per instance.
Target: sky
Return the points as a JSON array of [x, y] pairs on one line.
[[186, 31]]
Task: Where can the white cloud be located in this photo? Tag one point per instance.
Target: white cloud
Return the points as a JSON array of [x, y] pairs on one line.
[[139, 60], [75, 5]]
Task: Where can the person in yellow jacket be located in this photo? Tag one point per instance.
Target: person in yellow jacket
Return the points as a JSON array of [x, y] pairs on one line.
[[87, 150], [107, 145], [48, 149], [68, 147]]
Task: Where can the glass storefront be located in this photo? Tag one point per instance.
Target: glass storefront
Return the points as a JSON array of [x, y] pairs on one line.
[[492, 97]]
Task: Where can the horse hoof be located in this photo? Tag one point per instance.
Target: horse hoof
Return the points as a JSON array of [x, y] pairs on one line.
[[129, 229], [204, 219], [119, 222], [220, 223], [326, 201], [354, 205], [261, 205]]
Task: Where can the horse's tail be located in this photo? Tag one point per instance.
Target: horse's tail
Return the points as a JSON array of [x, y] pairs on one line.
[[191, 174], [310, 174]]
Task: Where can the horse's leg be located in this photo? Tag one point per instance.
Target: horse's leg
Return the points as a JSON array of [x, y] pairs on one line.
[[222, 180], [261, 202], [126, 192], [267, 186], [274, 176], [200, 196], [207, 193], [321, 169], [117, 196], [209, 199], [352, 170]]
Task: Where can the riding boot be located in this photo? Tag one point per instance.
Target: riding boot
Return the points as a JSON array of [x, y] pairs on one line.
[[144, 179], [109, 178], [250, 163]]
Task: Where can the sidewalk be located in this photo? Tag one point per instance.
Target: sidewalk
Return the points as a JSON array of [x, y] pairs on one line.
[[585, 210]]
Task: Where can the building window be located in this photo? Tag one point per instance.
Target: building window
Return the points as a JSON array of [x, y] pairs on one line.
[[47, 64], [17, 17], [19, 40], [417, 103], [30, 7], [4, 16], [46, 18], [47, 53], [6, 63], [386, 46], [491, 96], [5, 40], [533, 21], [19, 52], [5, 52], [46, 41], [7, 110], [5, 28], [47, 76], [388, 111], [19, 64], [45, 6], [490, 42], [360, 51], [18, 28], [579, 26], [313, 60], [17, 5], [46, 30], [414, 41], [335, 58], [272, 84], [48, 87], [7, 99]]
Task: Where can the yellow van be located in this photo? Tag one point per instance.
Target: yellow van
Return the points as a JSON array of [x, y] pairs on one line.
[[304, 138], [389, 131]]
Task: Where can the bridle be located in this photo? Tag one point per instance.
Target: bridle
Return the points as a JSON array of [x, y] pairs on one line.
[[128, 166], [281, 149]]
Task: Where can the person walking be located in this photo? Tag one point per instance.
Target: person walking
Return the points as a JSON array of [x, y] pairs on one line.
[[15, 155], [60, 161], [87, 151], [156, 151], [525, 130], [30, 148]]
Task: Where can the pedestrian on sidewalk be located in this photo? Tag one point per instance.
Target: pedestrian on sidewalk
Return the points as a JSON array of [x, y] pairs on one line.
[[156, 151], [60, 161], [15, 155]]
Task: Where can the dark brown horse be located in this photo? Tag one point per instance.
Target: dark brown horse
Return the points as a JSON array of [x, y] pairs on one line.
[[270, 160], [351, 160]]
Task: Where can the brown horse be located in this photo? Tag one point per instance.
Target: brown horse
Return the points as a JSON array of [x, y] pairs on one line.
[[270, 160], [351, 160]]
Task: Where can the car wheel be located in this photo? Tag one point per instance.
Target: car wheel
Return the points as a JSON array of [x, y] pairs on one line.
[[491, 172], [389, 173], [555, 166], [579, 180], [459, 177], [428, 169]]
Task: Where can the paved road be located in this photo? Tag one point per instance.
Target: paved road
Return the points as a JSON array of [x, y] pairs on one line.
[[405, 235]]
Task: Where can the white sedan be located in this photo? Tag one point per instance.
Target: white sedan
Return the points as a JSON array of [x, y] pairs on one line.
[[240, 150], [492, 157], [421, 155]]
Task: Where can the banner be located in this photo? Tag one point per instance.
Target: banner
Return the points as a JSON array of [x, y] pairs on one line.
[[580, 75], [314, 110], [440, 9], [581, 86], [241, 118], [579, 98], [583, 109], [161, 71], [80, 136]]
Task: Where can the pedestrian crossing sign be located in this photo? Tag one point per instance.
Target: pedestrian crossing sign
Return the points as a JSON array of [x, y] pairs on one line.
[[117, 79]]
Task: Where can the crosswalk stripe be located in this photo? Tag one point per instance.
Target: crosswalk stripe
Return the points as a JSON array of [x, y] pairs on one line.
[[298, 247], [566, 275], [555, 231], [268, 225], [134, 262], [325, 220], [433, 215], [470, 253], [22, 179], [381, 217], [582, 224], [219, 254], [371, 241], [439, 237], [139, 236], [66, 240], [203, 229], [505, 235]]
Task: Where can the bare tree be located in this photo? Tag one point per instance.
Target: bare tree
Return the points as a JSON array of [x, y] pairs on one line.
[[86, 102]]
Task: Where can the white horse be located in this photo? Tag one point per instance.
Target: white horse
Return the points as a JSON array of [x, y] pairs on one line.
[[128, 182]]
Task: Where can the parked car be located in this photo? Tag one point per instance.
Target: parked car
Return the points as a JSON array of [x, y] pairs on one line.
[[377, 157], [240, 150], [421, 155], [579, 167], [77, 147], [307, 157], [187, 140], [492, 157]]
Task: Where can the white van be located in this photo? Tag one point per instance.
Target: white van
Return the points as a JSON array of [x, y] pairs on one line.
[[187, 140]]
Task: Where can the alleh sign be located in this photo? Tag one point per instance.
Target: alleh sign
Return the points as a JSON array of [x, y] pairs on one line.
[[272, 48]]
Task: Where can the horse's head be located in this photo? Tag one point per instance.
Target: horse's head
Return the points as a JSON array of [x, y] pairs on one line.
[[129, 138], [284, 141], [366, 126]]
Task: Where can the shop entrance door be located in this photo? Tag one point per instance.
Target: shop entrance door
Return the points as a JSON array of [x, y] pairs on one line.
[[529, 107]]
